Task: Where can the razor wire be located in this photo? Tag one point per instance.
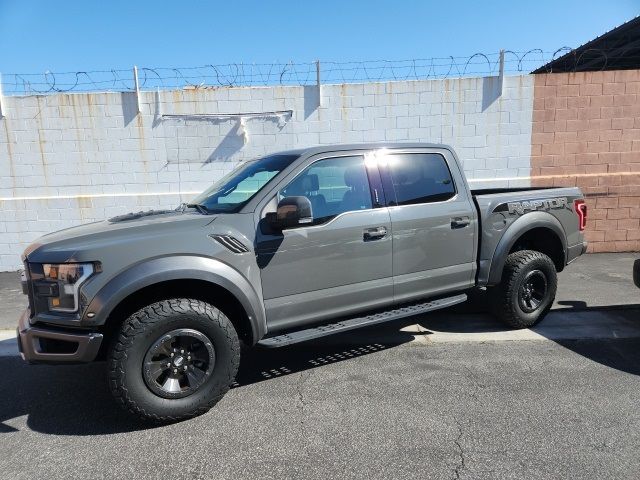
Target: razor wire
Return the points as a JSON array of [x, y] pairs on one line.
[[278, 73]]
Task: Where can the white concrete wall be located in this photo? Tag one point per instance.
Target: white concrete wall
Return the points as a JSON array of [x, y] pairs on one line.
[[72, 158]]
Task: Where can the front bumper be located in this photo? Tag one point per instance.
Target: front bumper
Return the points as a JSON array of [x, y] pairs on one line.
[[50, 345]]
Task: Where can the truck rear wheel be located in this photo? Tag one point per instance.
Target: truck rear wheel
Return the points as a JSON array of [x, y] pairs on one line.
[[173, 360], [527, 290]]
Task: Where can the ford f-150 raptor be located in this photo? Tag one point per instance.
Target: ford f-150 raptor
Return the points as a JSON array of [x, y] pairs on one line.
[[286, 248]]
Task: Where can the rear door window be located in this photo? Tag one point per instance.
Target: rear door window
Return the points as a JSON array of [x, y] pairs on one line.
[[420, 178]]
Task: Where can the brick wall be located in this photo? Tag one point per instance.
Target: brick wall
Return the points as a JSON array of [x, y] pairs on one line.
[[67, 159], [586, 132]]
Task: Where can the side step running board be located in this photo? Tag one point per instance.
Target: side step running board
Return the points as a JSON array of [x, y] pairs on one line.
[[358, 322]]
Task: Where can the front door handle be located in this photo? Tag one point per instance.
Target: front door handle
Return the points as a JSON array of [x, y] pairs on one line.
[[374, 233], [460, 222]]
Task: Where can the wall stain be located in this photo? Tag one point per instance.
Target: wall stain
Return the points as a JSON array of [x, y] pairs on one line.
[[79, 136], [84, 204], [193, 94], [343, 98], [12, 171], [90, 111], [41, 144], [141, 141], [459, 116], [177, 101], [62, 102], [520, 92]]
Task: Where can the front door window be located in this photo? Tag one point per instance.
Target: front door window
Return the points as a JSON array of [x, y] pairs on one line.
[[333, 186]]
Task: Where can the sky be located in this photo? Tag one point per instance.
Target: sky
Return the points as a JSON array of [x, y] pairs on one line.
[[72, 35]]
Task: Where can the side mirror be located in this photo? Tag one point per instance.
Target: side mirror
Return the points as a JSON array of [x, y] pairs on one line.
[[292, 212]]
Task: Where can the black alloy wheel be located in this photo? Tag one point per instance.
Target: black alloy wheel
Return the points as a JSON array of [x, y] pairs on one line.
[[178, 363], [533, 291]]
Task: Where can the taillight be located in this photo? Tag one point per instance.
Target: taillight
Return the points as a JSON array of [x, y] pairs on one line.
[[581, 210]]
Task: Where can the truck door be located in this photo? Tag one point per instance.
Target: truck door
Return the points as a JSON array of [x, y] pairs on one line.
[[341, 263], [434, 223]]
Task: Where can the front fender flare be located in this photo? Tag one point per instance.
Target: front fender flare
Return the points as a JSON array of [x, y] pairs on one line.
[[150, 272], [522, 225]]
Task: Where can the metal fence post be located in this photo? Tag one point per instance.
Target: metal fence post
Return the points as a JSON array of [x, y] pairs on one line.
[[318, 83], [1, 111], [158, 104], [137, 85], [501, 73]]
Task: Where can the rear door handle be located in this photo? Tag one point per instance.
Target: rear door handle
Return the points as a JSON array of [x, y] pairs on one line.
[[460, 222], [374, 233]]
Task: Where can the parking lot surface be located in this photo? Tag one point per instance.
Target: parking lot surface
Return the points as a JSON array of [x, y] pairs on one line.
[[387, 409]]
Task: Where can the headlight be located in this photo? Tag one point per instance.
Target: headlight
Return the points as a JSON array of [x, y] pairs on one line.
[[61, 283]]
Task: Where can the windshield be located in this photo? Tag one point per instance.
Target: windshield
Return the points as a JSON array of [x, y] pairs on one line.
[[234, 190]]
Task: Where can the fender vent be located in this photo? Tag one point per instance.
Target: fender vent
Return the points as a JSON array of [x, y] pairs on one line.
[[230, 243]]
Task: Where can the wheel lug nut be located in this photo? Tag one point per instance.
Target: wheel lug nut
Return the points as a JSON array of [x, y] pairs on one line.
[[168, 364], [185, 368], [189, 357], [181, 351], [172, 354], [175, 370]]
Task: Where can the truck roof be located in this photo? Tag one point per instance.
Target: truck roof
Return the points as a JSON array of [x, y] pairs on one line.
[[360, 146]]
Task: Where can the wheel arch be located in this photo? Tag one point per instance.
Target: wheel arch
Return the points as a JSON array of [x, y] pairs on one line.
[[202, 278], [538, 231]]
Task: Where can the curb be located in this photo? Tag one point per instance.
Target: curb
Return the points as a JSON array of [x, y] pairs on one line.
[[8, 344], [7, 334]]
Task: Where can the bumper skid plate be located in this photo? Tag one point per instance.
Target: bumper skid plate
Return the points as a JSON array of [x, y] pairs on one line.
[[42, 345]]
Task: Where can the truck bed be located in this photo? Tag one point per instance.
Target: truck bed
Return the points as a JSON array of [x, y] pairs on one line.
[[501, 208]]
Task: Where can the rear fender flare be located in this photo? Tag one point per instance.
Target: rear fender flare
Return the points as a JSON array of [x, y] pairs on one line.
[[522, 225]]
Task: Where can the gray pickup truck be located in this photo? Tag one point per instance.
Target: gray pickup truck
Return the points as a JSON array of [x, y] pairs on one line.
[[293, 246]]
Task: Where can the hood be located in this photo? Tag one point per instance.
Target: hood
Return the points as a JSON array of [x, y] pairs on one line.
[[80, 243]]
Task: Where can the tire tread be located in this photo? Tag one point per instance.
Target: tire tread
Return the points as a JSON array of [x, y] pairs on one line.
[[501, 303], [147, 317]]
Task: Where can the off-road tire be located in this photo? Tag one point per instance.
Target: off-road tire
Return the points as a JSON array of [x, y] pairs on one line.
[[142, 329], [504, 298]]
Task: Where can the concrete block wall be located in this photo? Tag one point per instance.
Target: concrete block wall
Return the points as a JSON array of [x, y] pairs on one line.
[[586, 132], [68, 159]]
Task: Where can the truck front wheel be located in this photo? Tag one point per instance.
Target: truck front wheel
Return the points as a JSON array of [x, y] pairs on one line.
[[173, 360], [527, 290]]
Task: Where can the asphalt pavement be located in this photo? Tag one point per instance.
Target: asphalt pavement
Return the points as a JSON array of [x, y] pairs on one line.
[[387, 409], [446, 395]]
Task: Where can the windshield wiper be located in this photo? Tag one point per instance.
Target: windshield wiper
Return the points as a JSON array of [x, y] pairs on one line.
[[198, 206]]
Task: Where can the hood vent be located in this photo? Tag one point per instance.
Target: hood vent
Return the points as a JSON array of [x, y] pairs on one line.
[[136, 215], [230, 243]]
